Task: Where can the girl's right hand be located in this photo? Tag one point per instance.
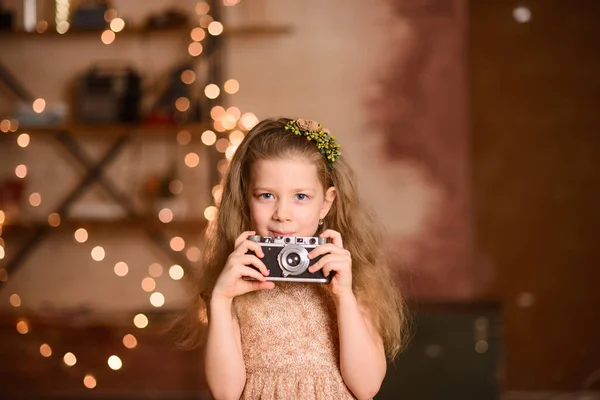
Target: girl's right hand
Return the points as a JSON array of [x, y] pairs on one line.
[[232, 282]]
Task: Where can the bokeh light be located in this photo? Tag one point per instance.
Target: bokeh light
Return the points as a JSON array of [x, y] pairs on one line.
[[121, 268], [45, 350], [140, 321], [108, 36], [232, 86], [176, 272], [212, 91], [81, 235], [177, 243], [115, 363], [129, 341], [98, 253], [69, 359]]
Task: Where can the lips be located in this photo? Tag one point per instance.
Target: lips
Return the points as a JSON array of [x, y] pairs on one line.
[[277, 233]]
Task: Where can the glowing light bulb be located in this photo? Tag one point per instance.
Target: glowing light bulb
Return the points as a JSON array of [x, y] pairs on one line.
[[195, 49], [98, 253], [215, 28], [15, 300], [148, 284], [176, 272], [140, 321], [22, 327], [108, 36], [129, 341], [21, 171], [69, 359], [210, 213], [35, 199], [45, 350], [89, 381], [232, 86], [208, 138], [165, 215], [39, 105], [121, 269], [197, 34], [81, 235], [117, 25], [157, 299], [188, 77], [212, 91], [192, 160], [182, 104], [202, 8], [23, 140], [177, 243], [115, 363]]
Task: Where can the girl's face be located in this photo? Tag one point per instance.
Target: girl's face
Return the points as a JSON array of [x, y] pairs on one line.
[[286, 197]]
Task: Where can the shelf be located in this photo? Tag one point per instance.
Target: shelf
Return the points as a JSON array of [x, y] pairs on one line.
[[239, 31], [189, 226], [115, 129]]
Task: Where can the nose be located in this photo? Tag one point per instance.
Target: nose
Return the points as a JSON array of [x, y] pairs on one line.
[[283, 211]]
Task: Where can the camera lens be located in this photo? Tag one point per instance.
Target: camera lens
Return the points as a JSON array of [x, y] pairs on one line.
[[293, 259]]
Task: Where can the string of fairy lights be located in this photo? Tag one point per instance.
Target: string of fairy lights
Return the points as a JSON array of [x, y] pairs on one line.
[[229, 126]]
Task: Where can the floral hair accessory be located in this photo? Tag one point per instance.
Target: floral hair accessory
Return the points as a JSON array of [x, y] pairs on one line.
[[313, 131]]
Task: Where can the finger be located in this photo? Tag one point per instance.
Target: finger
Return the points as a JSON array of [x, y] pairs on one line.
[[319, 264], [328, 259], [252, 273], [242, 237], [327, 268], [335, 237], [249, 259], [246, 245], [327, 248], [260, 286]]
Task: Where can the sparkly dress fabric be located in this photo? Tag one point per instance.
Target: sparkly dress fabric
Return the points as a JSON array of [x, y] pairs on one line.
[[290, 343]]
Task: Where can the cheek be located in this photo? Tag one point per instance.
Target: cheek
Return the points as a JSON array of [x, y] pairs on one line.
[[257, 213], [309, 215]]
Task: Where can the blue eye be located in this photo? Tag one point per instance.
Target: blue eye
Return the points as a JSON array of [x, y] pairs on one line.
[[301, 196], [266, 196]]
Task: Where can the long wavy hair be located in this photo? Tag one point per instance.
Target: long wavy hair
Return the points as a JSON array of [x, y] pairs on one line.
[[372, 281]]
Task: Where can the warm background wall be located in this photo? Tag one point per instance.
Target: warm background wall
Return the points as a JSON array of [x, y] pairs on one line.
[[536, 160]]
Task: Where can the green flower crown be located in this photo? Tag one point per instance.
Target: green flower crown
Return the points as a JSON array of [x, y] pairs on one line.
[[315, 132]]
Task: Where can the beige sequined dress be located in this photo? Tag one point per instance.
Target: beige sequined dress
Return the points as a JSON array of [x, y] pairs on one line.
[[290, 343]]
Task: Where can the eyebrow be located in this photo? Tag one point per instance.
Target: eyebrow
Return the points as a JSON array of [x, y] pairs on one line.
[[265, 189]]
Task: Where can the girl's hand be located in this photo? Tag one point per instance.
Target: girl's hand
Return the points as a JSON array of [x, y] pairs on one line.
[[338, 260], [231, 282]]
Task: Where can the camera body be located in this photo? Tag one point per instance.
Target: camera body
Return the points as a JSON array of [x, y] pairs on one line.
[[286, 258]]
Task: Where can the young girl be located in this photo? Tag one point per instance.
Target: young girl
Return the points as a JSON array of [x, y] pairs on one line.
[[283, 340]]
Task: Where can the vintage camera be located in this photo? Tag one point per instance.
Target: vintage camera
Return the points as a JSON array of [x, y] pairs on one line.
[[286, 257]]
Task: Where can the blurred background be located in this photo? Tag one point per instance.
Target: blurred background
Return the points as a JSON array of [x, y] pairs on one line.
[[472, 126]]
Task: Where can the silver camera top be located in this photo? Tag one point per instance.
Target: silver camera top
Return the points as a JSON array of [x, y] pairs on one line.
[[286, 240]]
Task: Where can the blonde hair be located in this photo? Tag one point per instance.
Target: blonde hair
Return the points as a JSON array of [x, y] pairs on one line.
[[373, 283]]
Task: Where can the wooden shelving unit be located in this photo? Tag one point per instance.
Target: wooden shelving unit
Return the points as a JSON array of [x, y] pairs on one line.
[[119, 135]]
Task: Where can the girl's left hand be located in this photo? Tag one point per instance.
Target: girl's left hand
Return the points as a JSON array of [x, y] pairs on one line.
[[338, 260]]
